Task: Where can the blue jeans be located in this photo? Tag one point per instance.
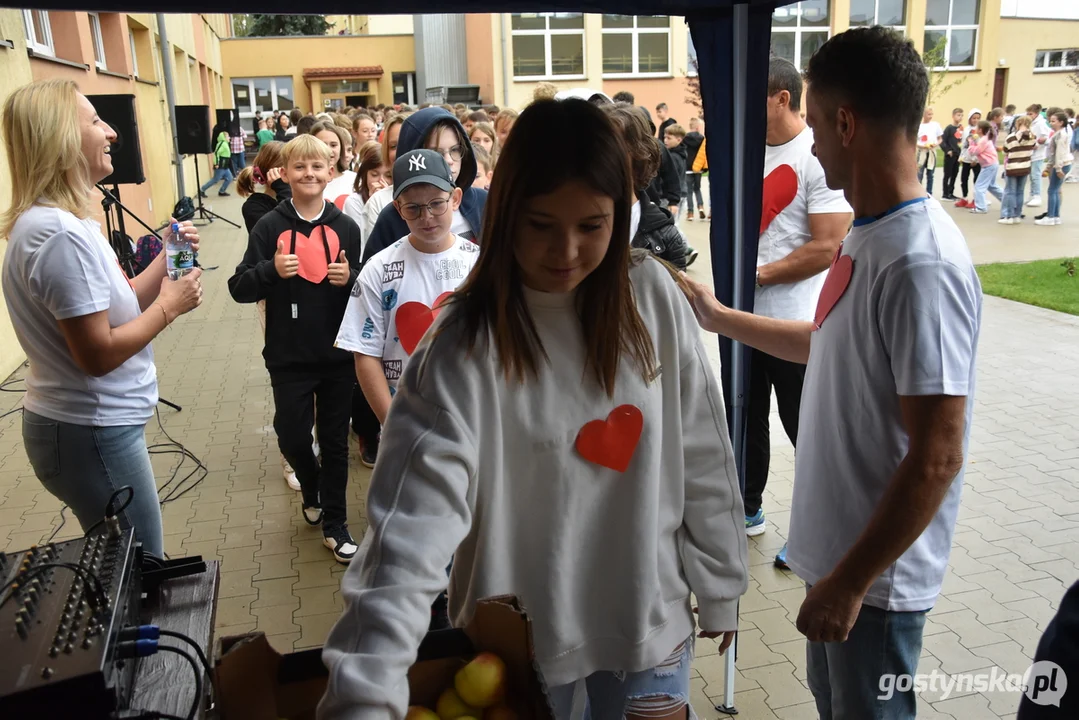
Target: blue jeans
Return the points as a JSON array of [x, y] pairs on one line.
[[847, 679], [929, 183], [222, 174], [1012, 206], [1036, 168], [83, 465], [987, 180], [237, 163], [612, 695], [1054, 190]]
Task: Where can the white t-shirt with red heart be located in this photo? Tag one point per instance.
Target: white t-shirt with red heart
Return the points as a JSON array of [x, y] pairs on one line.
[[794, 189], [396, 297]]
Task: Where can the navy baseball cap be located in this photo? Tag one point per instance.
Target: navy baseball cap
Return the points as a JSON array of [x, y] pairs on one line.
[[426, 167]]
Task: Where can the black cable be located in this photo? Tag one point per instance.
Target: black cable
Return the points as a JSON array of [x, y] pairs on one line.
[[111, 510], [198, 677], [59, 527], [85, 574], [11, 412], [173, 446], [198, 651]]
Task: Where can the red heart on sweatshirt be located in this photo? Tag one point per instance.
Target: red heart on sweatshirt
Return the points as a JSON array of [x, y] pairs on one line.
[[834, 286], [780, 189], [925, 138], [311, 251], [413, 320], [611, 442], [340, 201]]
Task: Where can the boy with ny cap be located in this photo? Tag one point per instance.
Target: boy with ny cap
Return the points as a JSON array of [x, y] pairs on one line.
[[395, 298]]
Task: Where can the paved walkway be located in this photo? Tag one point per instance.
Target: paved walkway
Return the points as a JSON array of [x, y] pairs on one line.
[[1013, 557]]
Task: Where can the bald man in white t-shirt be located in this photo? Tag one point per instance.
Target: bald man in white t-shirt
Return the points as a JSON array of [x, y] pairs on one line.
[[803, 222]]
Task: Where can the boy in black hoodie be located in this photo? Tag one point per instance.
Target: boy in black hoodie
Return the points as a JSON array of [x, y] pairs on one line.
[[673, 140], [949, 144], [434, 129], [303, 258]]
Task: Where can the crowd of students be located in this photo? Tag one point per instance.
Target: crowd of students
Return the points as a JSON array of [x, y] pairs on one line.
[[1039, 144]]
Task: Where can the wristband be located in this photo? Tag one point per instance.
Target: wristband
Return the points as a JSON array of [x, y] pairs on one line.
[[164, 313]]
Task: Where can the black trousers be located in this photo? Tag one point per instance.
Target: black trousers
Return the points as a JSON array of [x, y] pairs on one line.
[[966, 174], [295, 394], [786, 377], [951, 172], [693, 190], [364, 421]]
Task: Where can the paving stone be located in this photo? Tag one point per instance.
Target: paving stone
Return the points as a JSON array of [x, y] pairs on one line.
[[779, 683], [972, 632], [236, 583], [272, 567], [315, 628], [318, 601]]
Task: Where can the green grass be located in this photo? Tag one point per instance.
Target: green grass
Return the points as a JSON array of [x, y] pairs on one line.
[[1044, 283]]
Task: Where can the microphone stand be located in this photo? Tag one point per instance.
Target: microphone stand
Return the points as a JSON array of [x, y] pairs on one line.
[[122, 247]]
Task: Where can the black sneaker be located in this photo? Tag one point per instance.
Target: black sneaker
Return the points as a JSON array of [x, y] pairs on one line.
[[202, 194], [341, 543], [223, 194], [369, 453], [1042, 216], [691, 257]]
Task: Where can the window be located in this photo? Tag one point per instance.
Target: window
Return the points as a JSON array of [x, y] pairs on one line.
[[547, 45], [251, 95], [134, 53], [1050, 60], [799, 30], [691, 60], [38, 31], [95, 39], [890, 13], [636, 46], [951, 33]]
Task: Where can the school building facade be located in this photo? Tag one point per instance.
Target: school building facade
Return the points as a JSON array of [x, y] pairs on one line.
[[122, 54]]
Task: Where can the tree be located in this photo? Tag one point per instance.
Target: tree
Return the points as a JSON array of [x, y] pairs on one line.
[[936, 60], [693, 86], [257, 25]]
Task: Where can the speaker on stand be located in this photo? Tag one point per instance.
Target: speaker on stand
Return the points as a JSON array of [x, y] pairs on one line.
[[193, 137]]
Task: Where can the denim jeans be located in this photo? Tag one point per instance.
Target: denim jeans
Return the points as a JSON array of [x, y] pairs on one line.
[[693, 189], [1036, 168], [83, 465], [1054, 191], [657, 692], [222, 174], [1012, 206], [237, 163], [929, 183], [847, 679], [987, 180]]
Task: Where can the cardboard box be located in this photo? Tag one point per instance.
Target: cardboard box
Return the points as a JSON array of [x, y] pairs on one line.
[[255, 682]]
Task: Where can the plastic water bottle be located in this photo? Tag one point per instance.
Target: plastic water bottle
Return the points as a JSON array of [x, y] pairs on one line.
[[179, 257]]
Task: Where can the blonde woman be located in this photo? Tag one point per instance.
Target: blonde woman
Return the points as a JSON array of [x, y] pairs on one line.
[[85, 327]]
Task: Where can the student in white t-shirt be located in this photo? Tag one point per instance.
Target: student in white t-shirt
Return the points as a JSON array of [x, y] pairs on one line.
[[802, 223], [889, 389], [930, 135], [561, 435], [413, 276]]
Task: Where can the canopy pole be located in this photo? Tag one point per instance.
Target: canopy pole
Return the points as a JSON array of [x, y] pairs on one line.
[[739, 64], [170, 100]]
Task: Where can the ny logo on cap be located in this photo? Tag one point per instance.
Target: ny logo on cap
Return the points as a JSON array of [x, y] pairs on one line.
[[417, 162]]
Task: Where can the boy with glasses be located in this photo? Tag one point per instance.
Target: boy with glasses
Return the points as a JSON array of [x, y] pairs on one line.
[[399, 290]]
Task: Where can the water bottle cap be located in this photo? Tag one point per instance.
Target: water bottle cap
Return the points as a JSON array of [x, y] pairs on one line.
[[176, 227]]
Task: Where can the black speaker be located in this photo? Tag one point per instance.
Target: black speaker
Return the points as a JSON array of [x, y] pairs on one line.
[[193, 129], [230, 120], [119, 112]]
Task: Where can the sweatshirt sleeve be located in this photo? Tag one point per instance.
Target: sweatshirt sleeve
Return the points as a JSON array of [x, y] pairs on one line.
[[256, 273], [714, 553], [700, 162], [419, 512]]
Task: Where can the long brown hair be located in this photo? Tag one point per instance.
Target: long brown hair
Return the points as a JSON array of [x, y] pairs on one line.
[[492, 299], [269, 157], [370, 157]]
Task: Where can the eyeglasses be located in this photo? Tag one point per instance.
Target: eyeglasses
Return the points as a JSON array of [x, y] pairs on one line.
[[412, 211], [454, 154]]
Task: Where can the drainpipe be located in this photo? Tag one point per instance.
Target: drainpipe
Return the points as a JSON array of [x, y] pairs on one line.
[[170, 99], [505, 62]]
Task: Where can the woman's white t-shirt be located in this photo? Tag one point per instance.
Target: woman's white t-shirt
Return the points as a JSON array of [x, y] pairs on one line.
[[338, 189], [58, 267], [354, 208]]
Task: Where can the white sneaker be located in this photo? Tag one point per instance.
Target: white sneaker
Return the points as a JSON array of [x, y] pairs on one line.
[[316, 449], [1035, 201], [1047, 221], [290, 475], [312, 515], [341, 543], [1005, 221]]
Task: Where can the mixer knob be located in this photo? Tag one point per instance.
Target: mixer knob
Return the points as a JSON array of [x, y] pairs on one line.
[[67, 649], [87, 643], [54, 650], [20, 627], [46, 673]]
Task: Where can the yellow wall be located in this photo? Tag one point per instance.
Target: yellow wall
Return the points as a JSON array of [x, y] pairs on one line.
[[14, 72], [195, 36], [289, 56], [1016, 48]]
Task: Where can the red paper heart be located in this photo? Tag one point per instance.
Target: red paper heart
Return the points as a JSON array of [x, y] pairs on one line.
[[413, 320], [925, 138], [611, 442], [834, 286], [311, 252], [780, 189]]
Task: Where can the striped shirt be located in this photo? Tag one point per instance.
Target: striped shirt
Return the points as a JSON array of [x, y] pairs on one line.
[[1018, 149]]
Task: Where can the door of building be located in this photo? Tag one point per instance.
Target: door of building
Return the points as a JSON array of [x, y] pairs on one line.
[[404, 88], [1000, 84]]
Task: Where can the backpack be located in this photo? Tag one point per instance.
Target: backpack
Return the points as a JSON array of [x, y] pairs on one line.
[[184, 209]]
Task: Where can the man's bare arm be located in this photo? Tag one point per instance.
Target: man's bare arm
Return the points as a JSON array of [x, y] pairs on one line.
[[827, 231]]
